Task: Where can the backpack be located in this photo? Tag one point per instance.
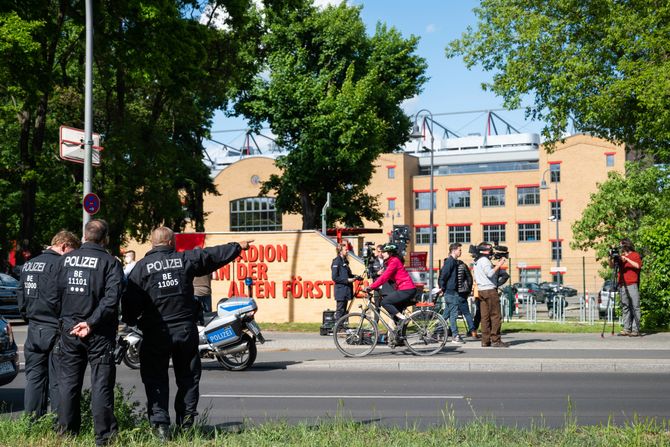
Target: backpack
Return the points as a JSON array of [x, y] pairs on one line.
[[464, 278]]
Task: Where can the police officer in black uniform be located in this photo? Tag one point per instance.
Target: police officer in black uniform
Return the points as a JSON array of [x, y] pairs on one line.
[[87, 293], [159, 299], [41, 359], [343, 279]]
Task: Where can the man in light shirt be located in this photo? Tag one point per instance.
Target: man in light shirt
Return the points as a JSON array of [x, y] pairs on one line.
[[486, 278]]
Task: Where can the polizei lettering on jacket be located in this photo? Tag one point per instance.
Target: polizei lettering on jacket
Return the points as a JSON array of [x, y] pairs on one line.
[[165, 264], [87, 262], [37, 267]]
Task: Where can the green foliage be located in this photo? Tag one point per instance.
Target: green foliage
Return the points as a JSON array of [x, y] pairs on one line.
[[655, 286], [482, 431], [332, 97], [636, 206], [601, 65], [160, 73]]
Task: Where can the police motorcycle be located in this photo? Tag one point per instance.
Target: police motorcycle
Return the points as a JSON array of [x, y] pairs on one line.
[[228, 336], [128, 346]]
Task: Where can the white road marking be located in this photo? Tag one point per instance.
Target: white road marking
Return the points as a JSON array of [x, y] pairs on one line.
[[327, 396]]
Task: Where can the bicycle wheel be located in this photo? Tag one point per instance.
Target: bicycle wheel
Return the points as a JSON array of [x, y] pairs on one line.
[[355, 335], [425, 332]]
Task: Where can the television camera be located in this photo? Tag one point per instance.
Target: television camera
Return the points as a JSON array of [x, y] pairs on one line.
[[495, 251]]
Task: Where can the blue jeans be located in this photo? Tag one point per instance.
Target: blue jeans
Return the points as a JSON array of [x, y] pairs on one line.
[[465, 311], [451, 303]]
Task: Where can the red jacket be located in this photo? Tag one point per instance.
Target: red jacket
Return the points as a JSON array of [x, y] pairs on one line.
[[628, 274], [394, 270]]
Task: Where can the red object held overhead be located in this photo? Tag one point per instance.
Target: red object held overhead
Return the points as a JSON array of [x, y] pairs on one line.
[[189, 241]]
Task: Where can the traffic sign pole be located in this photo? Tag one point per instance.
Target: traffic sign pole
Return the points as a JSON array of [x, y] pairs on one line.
[[88, 112]]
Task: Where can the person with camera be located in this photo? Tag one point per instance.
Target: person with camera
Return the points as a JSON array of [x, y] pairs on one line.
[[404, 288], [486, 277], [629, 264], [343, 279], [448, 282]]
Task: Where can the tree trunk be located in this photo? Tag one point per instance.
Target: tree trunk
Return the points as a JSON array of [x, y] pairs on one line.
[[28, 182], [310, 213]]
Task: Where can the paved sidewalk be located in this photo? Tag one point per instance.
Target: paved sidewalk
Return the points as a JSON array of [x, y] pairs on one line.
[[529, 352]]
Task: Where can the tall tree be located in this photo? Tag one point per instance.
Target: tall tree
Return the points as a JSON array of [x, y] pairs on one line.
[[161, 69], [331, 94], [602, 65], [636, 206]]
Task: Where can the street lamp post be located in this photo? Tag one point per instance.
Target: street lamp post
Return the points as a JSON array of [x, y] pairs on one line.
[[392, 215], [428, 116], [559, 252]]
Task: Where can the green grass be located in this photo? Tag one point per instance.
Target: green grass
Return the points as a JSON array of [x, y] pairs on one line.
[[343, 432]]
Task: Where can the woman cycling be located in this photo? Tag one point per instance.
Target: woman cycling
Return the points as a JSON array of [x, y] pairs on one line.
[[405, 290]]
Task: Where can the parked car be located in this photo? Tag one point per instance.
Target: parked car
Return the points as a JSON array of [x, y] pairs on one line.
[[556, 287], [605, 297], [528, 289], [9, 354], [9, 307]]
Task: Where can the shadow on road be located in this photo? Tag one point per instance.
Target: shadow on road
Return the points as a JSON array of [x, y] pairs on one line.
[[11, 400]]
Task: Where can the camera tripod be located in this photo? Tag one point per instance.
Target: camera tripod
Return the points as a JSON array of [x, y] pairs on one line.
[[612, 301], [615, 282]]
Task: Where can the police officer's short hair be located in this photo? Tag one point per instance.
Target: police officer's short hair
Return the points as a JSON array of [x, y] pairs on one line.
[[454, 246], [66, 238], [96, 231], [162, 236]]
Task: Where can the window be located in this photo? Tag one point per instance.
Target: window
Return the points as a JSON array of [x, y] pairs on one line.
[[422, 200], [493, 197], [530, 275], [391, 204], [473, 168], [494, 232], [422, 235], [556, 250], [254, 214], [459, 233], [459, 199], [528, 195], [557, 278], [529, 232], [391, 172], [609, 160], [555, 171], [555, 210]]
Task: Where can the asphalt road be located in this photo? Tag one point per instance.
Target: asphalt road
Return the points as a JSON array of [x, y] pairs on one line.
[[403, 398], [301, 377]]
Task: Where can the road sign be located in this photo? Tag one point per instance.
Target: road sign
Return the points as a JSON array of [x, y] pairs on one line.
[[91, 203], [72, 145], [558, 269]]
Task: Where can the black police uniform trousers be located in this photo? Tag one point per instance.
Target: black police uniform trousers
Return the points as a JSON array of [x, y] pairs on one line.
[[75, 353], [41, 369], [179, 341]]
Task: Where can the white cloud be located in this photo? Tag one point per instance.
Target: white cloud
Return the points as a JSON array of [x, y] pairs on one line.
[[431, 28], [410, 105]]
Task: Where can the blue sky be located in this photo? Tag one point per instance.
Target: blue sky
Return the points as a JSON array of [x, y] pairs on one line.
[[451, 88]]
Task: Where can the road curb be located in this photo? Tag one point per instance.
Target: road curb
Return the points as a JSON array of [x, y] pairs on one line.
[[487, 365]]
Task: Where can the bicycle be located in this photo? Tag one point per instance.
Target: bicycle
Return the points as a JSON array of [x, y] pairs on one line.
[[423, 332]]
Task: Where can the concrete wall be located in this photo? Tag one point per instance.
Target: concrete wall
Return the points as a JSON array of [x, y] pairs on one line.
[[290, 269]]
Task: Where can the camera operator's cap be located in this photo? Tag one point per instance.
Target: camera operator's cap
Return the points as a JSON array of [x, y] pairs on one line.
[[390, 248]]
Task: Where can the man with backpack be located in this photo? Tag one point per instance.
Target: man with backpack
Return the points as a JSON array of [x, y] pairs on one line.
[[465, 283], [448, 282]]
